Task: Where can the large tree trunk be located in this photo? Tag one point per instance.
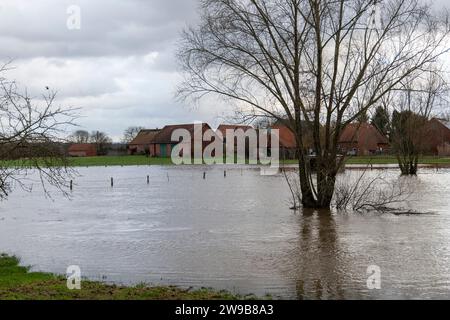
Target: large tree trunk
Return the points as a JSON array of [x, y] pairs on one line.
[[408, 165], [308, 199], [325, 190], [326, 180]]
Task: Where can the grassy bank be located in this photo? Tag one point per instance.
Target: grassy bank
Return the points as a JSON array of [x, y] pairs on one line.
[[118, 161], [18, 283], [393, 160], [143, 160], [388, 160]]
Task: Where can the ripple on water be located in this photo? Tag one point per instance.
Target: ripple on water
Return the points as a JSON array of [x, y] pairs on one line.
[[235, 233]]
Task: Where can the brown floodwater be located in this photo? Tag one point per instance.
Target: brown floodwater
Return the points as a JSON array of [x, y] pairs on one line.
[[235, 233]]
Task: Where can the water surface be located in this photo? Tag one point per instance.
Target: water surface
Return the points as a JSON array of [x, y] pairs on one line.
[[235, 233]]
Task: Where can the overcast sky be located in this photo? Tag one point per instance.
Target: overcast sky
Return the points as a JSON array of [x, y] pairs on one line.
[[119, 67]]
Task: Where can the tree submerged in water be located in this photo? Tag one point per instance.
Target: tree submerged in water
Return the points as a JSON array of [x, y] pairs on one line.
[[414, 104], [361, 191], [314, 65]]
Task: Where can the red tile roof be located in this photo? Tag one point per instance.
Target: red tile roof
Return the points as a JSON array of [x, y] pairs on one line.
[[287, 137], [82, 147], [224, 127], [165, 136], [145, 137], [362, 133], [364, 138], [437, 135]]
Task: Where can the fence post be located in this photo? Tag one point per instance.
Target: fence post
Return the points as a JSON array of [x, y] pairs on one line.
[[112, 182]]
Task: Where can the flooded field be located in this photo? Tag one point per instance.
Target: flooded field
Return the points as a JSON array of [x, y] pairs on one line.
[[235, 233]]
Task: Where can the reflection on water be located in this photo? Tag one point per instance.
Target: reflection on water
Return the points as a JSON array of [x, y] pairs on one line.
[[234, 233], [316, 254]]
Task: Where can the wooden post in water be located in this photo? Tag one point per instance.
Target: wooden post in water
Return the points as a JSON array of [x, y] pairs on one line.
[[148, 179], [71, 185], [204, 175], [225, 174], [112, 182]]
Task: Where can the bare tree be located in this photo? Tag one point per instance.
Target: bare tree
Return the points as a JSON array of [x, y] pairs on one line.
[[416, 101], [294, 188], [130, 133], [79, 136], [30, 138], [360, 191], [315, 65], [101, 140]]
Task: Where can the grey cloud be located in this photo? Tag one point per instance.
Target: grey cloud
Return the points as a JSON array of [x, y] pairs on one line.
[[119, 68], [108, 27]]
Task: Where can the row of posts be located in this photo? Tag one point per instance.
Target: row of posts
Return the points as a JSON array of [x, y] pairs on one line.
[[148, 179], [224, 174]]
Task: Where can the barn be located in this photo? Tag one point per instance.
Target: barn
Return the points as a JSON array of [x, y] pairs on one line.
[[82, 150], [288, 143], [224, 127], [141, 143], [362, 139], [437, 133], [162, 144]]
